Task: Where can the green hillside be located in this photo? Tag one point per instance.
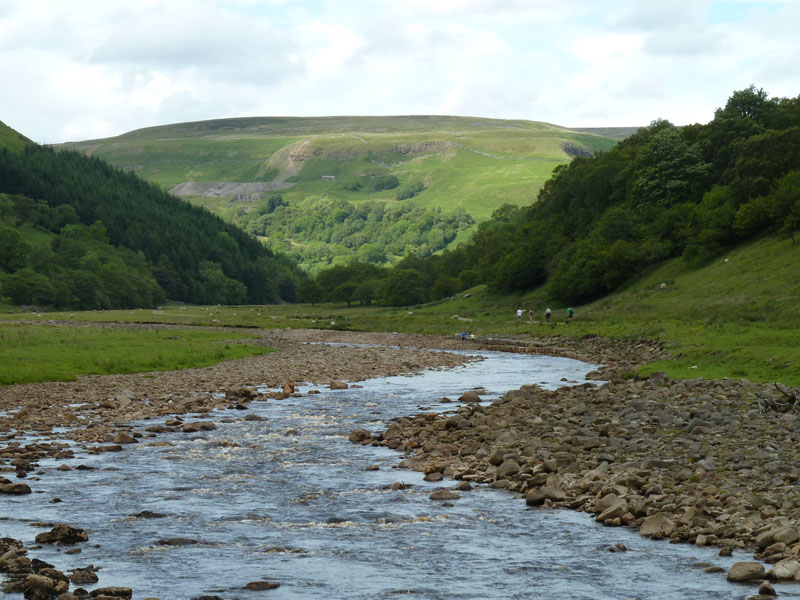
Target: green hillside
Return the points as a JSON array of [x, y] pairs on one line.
[[78, 233], [470, 165], [11, 139]]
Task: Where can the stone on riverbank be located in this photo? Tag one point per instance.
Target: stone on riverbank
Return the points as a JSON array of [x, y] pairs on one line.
[[538, 496], [657, 526], [787, 569]]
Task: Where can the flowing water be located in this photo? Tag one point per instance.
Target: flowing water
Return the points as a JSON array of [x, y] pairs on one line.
[[291, 500]]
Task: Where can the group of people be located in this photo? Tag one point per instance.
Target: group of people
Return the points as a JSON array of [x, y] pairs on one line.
[[547, 314]]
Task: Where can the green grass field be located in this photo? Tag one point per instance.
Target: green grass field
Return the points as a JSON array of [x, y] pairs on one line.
[[737, 316], [32, 352]]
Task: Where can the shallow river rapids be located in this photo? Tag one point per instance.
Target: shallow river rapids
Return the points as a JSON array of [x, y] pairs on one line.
[[290, 500]]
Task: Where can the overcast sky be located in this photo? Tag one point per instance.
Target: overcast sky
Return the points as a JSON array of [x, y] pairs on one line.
[[81, 69]]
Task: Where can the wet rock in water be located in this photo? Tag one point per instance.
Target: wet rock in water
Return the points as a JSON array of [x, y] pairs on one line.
[[618, 548], [714, 569], [113, 592], [338, 385], [746, 571], [254, 418], [124, 438], [259, 586], [177, 541], [39, 587], [444, 494], [766, 589], [148, 514], [359, 436], [85, 575], [433, 477], [469, 397], [14, 489], [62, 534], [372, 468], [198, 426]]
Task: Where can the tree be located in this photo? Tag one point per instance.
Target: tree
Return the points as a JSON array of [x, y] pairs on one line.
[[26, 286], [14, 250], [750, 103], [404, 287]]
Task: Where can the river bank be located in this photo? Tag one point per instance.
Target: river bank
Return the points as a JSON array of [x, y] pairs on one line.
[[712, 463]]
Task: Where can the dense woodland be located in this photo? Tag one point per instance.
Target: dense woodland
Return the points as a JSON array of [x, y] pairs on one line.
[[76, 232], [664, 192], [334, 232]]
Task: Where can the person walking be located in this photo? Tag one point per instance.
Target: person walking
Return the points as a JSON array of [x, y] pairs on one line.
[[547, 314], [570, 312], [519, 314], [530, 315]]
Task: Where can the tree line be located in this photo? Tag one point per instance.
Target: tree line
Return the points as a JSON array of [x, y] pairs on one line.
[[664, 192], [115, 235]]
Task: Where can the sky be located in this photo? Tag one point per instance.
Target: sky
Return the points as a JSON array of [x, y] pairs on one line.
[[83, 69]]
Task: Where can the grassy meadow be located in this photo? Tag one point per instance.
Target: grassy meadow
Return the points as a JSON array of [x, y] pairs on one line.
[[44, 352], [737, 316]]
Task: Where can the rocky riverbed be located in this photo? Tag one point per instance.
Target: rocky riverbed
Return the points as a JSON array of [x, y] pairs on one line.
[[703, 462], [712, 463]]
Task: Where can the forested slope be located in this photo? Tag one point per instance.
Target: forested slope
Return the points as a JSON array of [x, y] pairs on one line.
[[283, 179], [661, 193], [80, 233]]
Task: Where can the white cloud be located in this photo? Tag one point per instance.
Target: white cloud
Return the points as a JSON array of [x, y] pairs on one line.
[[93, 68]]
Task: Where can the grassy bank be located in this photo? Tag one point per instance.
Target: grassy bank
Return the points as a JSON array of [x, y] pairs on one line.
[[31, 352], [737, 316]]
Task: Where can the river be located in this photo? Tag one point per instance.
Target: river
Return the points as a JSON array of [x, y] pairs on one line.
[[290, 500]]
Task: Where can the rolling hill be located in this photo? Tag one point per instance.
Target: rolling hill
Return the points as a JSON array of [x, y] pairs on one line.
[[443, 165], [76, 232]]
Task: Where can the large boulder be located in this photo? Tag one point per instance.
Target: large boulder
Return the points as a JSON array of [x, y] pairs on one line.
[[746, 571], [787, 569], [14, 489]]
